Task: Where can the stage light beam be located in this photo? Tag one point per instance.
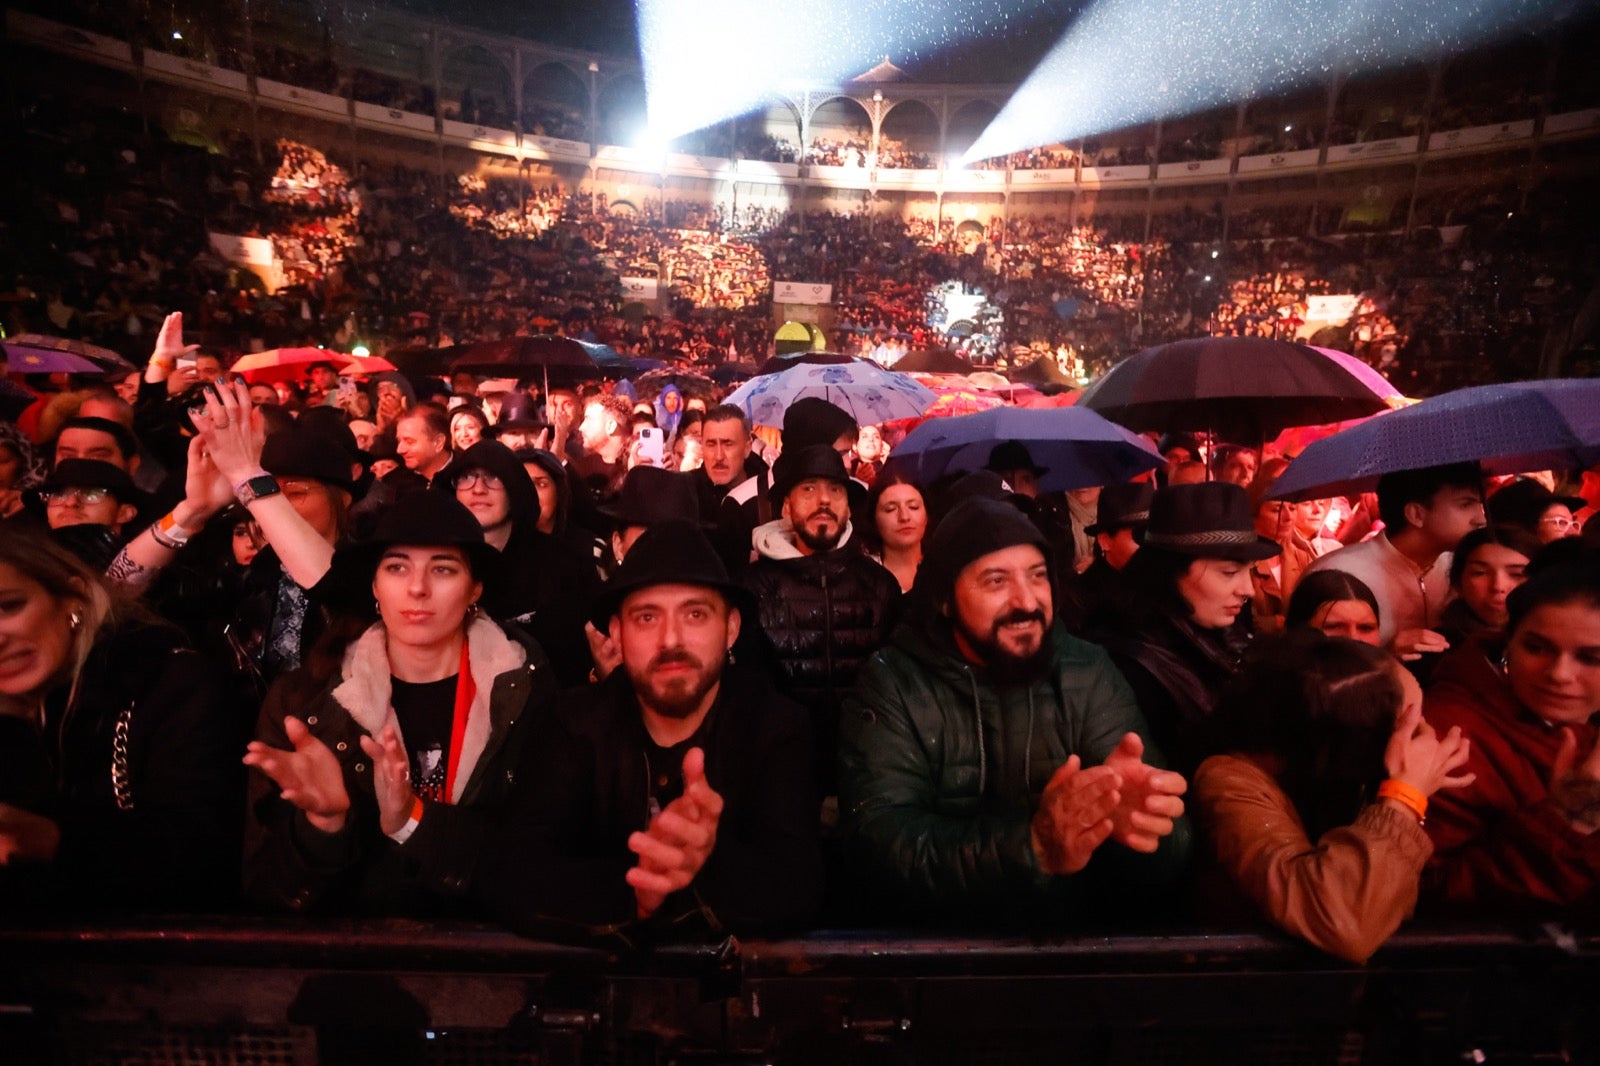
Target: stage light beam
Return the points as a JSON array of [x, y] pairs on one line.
[[1126, 62]]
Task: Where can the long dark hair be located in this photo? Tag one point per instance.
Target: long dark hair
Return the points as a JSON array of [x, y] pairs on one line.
[[1325, 708], [1325, 586], [1151, 582]]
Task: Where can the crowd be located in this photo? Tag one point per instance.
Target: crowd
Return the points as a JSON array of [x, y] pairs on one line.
[[603, 662]]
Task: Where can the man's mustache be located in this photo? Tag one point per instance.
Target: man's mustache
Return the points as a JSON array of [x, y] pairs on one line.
[[675, 657], [1019, 617]]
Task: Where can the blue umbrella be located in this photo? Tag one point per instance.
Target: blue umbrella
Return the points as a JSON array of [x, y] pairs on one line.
[[868, 392], [1078, 447], [1511, 428]]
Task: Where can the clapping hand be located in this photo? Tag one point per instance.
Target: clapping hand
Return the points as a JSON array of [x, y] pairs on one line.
[[1575, 783], [675, 846], [1074, 816], [391, 778], [232, 429], [308, 774], [1149, 802]]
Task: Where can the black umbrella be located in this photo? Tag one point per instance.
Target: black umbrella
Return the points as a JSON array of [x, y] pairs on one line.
[[1243, 388], [559, 359], [779, 363], [728, 373], [423, 360], [932, 361], [1042, 371]]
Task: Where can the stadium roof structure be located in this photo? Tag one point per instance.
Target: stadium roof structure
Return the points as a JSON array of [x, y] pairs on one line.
[[885, 71]]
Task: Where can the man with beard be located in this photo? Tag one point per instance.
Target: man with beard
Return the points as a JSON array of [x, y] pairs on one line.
[[824, 605], [986, 755], [677, 792]]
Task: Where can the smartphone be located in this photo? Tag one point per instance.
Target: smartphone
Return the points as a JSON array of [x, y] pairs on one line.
[[347, 387], [652, 445]]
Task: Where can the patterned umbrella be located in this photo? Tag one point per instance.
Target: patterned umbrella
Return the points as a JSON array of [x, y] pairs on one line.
[[1510, 428], [869, 393]]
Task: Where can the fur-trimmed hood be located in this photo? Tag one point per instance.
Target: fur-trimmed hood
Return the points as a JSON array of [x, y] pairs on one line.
[[364, 690]]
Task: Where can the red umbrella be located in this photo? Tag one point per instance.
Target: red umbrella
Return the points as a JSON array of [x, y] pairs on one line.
[[367, 364], [285, 364]]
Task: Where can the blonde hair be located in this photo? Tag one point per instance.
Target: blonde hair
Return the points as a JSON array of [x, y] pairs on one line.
[[66, 578]]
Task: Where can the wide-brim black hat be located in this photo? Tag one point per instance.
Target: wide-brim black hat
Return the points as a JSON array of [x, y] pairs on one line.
[[91, 474], [1211, 520], [651, 496], [309, 452], [1122, 507], [1524, 501], [519, 412], [415, 519], [672, 553]]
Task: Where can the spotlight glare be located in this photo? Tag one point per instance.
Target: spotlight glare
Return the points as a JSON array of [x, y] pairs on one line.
[[1126, 62]]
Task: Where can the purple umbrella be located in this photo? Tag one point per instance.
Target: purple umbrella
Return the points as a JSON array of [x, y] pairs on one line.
[[1511, 428]]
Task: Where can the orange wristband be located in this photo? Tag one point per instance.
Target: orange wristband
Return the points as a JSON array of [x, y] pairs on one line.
[[1407, 794]]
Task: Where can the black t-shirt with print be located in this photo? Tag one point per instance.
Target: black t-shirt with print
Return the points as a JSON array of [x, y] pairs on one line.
[[426, 712]]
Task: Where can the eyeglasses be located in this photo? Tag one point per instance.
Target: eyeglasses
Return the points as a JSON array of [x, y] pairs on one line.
[[1560, 524], [473, 478], [80, 495]]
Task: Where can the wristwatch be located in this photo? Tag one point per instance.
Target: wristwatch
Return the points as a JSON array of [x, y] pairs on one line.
[[256, 488]]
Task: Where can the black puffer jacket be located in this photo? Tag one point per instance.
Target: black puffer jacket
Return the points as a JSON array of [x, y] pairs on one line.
[[823, 615]]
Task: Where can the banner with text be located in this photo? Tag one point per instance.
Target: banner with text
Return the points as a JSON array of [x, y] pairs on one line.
[[801, 292], [643, 289]]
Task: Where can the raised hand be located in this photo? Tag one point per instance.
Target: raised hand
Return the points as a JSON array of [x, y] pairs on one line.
[[1150, 797], [169, 342], [391, 778], [678, 841], [1074, 816], [1413, 644], [308, 775], [1575, 783], [607, 654], [205, 490], [232, 429]]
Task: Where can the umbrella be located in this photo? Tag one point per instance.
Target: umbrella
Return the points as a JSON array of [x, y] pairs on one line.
[[956, 404], [560, 358], [539, 352], [1369, 377], [728, 373], [779, 363], [1509, 428], [988, 379], [1079, 448], [105, 358], [48, 361], [1246, 388], [422, 360], [932, 361], [367, 364], [1042, 371], [284, 364], [869, 393], [687, 382]]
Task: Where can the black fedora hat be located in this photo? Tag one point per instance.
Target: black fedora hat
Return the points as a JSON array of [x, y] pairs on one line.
[[1013, 455], [651, 496], [672, 553], [802, 464], [519, 412], [1122, 507], [1523, 503], [415, 519], [309, 452], [1211, 520]]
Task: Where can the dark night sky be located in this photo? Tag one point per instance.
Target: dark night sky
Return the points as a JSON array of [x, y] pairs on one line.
[[608, 26]]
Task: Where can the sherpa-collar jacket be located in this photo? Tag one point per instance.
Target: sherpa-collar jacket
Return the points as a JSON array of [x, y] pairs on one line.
[[941, 770], [289, 864]]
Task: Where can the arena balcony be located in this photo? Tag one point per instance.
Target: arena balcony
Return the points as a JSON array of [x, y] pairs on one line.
[[530, 102]]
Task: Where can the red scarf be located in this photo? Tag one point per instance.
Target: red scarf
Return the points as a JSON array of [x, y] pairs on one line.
[[465, 692]]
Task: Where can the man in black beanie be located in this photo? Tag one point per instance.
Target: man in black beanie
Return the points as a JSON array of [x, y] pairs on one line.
[[824, 605], [987, 755]]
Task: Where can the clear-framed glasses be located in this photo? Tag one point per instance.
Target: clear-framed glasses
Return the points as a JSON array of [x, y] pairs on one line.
[[473, 478], [75, 493], [1561, 524]]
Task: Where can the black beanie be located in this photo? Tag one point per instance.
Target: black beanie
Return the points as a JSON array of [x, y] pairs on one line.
[[975, 527], [813, 420]]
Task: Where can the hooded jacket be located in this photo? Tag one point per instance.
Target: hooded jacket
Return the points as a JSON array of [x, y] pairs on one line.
[[289, 865], [823, 614], [941, 770]]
